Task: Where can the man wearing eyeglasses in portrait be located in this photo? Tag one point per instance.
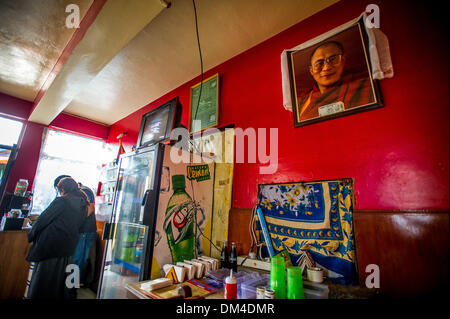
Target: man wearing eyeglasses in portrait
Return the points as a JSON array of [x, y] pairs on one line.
[[334, 91]]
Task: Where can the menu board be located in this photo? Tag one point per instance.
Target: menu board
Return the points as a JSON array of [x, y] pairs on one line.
[[204, 112]]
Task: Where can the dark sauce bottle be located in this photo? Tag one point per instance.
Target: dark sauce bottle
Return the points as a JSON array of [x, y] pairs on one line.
[[224, 256], [233, 258]]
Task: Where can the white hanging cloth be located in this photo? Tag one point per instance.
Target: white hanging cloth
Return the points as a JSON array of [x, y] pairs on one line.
[[380, 56]]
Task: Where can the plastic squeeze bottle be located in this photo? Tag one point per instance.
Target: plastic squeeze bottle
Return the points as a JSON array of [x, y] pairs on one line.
[[278, 277], [294, 283], [233, 258], [224, 256], [230, 287]]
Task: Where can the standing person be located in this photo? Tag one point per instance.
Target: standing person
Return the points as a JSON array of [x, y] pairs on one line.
[[88, 231], [54, 235]]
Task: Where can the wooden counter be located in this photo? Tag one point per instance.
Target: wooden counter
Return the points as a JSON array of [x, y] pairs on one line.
[[14, 268], [335, 291], [134, 291], [14, 248]]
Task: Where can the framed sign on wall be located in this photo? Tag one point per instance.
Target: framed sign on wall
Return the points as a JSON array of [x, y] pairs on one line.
[[204, 104]]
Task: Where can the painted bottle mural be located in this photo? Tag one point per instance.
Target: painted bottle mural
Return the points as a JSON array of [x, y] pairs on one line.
[[180, 222]]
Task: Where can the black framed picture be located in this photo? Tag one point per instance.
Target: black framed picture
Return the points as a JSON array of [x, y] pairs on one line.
[[157, 125], [333, 78]]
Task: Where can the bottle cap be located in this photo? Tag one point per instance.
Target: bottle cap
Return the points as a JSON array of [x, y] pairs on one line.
[[230, 279], [178, 181]]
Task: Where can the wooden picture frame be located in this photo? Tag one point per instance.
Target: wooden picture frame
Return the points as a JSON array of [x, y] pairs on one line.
[[333, 78], [207, 109]]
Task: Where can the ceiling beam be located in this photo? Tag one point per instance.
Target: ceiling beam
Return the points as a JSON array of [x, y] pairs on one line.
[[103, 33], [77, 36]]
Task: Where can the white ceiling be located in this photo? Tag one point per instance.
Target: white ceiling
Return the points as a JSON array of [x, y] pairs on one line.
[[164, 54], [32, 37]]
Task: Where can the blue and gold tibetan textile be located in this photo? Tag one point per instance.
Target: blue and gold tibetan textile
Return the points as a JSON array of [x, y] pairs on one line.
[[315, 217]]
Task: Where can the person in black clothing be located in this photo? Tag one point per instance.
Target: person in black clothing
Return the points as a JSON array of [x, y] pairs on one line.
[[88, 232], [54, 235]]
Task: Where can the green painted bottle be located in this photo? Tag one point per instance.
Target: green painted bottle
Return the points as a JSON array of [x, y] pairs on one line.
[[180, 222]]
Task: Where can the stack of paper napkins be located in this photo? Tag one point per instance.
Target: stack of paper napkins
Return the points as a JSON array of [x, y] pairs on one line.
[[176, 273], [156, 284], [189, 269]]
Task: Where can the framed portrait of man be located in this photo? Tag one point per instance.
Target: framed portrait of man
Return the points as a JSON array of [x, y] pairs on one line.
[[333, 78]]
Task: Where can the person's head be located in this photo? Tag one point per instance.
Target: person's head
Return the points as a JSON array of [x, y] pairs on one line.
[[67, 185], [82, 191], [57, 180], [327, 64]]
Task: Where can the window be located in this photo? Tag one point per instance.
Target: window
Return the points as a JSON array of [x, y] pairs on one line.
[[9, 131], [67, 154], [9, 135]]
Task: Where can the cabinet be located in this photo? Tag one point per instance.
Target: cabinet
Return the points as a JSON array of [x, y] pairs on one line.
[[14, 268]]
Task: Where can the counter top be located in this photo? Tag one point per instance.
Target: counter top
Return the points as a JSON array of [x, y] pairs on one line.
[[336, 291], [135, 289]]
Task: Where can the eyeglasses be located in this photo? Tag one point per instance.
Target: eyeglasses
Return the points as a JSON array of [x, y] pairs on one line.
[[332, 60]]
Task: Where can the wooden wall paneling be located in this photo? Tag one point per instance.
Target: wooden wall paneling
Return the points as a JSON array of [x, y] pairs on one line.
[[238, 230], [410, 248], [14, 248]]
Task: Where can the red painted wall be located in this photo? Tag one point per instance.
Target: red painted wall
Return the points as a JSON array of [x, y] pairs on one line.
[[76, 125], [29, 143], [27, 158], [397, 154], [14, 108]]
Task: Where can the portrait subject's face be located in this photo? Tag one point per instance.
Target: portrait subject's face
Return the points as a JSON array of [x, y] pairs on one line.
[[327, 66]]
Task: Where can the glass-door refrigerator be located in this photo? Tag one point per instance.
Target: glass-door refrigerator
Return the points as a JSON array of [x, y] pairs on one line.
[[162, 213], [127, 234]]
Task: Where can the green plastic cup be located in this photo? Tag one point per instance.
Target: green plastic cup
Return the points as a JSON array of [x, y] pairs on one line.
[[278, 277], [294, 283]]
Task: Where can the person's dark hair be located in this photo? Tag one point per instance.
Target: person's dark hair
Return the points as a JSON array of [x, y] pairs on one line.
[[70, 188], [55, 183], [338, 44], [68, 185]]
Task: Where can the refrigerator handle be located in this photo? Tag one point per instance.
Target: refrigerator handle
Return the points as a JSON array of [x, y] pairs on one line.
[[144, 200], [108, 231]]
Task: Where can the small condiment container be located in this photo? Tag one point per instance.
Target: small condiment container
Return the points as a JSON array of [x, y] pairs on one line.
[[314, 274], [260, 292]]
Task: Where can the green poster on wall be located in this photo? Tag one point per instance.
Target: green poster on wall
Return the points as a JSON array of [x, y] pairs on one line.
[[204, 113]]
